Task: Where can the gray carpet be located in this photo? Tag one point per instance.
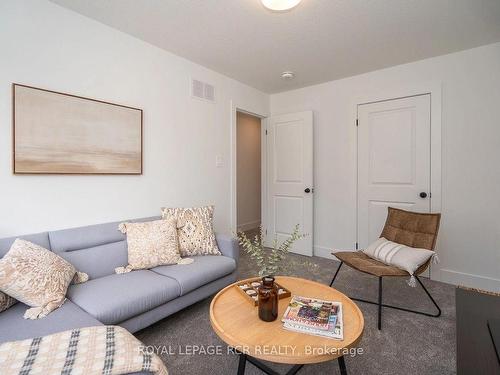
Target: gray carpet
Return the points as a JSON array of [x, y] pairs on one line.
[[408, 343]]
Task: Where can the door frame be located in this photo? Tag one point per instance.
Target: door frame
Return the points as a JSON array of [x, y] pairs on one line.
[[408, 90], [235, 107]]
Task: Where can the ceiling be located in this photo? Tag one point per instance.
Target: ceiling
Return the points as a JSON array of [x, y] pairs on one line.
[[319, 40]]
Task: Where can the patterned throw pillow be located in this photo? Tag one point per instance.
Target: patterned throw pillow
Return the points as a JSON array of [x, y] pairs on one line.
[[35, 276], [6, 301], [150, 244], [195, 230]]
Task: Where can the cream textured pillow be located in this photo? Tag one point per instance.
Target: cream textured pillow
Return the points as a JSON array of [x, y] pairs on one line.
[[150, 244], [6, 301], [195, 230], [37, 277], [401, 256]]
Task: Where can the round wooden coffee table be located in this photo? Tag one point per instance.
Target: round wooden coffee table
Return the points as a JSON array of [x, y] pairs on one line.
[[236, 322]]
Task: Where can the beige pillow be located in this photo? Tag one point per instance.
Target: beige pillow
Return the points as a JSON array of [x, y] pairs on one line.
[[195, 230], [150, 244], [6, 301], [37, 277], [401, 256]]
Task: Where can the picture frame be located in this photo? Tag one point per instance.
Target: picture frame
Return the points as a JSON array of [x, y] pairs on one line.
[[60, 133]]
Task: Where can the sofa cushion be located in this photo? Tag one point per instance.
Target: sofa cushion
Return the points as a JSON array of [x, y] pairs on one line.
[[84, 237], [100, 260], [95, 249], [115, 298], [204, 269], [69, 316], [88, 236]]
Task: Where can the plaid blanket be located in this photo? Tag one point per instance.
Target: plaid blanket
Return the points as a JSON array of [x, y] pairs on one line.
[[106, 350]]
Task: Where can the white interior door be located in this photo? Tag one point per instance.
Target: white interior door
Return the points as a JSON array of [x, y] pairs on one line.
[[393, 161], [290, 178]]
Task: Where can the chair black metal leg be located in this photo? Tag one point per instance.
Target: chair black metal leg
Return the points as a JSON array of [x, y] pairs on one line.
[[242, 364], [430, 297], [343, 369], [336, 273], [380, 303]]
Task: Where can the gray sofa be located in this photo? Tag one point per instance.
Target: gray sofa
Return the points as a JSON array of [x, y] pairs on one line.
[[133, 300]]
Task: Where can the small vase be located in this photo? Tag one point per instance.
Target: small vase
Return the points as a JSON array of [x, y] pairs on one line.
[[268, 300]]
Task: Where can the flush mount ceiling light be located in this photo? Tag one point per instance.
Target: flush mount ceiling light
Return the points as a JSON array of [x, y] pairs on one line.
[[288, 75], [280, 5]]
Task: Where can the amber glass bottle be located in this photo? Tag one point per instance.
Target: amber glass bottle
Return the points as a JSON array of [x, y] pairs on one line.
[[268, 300]]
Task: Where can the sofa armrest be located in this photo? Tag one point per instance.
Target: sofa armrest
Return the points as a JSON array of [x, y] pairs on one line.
[[228, 246]]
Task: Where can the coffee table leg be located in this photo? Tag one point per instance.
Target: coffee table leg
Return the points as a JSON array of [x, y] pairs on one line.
[[294, 369], [242, 364], [343, 370]]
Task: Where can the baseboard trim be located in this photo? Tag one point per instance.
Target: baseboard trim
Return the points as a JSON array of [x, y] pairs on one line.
[[248, 226], [469, 280]]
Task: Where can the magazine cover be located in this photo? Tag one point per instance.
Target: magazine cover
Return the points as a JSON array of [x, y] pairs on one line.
[[335, 331], [310, 312]]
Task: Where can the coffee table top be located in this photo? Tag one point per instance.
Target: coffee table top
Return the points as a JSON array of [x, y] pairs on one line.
[[237, 323]]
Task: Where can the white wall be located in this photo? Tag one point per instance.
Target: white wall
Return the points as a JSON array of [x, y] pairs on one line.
[[50, 47], [469, 239], [248, 171]]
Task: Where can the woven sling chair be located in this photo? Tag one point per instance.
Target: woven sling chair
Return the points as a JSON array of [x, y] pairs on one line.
[[406, 228]]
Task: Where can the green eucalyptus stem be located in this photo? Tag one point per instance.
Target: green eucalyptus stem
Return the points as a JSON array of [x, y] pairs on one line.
[[269, 262]]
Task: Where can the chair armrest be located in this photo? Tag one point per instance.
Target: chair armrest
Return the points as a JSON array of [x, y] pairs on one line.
[[228, 246]]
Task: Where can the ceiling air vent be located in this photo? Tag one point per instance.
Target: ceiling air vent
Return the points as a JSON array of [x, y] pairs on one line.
[[202, 90]]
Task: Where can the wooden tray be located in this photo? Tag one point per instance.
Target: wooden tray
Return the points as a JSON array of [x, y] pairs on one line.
[[246, 286]]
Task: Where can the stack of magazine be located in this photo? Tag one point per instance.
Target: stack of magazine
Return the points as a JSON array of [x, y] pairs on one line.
[[314, 317]]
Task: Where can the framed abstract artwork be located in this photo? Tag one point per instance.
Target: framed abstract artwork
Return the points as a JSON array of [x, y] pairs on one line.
[[58, 133]]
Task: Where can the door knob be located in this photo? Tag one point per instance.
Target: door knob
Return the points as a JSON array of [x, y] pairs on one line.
[[423, 194], [307, 190]]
